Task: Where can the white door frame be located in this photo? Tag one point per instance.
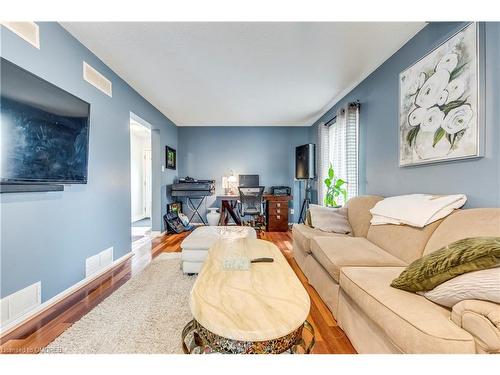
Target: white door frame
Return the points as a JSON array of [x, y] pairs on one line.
[[147, 183], [157, 165], [147, 198]]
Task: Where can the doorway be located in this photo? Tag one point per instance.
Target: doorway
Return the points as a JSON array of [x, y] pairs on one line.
[[141, 180]]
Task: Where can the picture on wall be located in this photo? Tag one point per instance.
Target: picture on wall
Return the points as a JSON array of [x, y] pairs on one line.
[[174, 207], [171, 158], [439, 111]]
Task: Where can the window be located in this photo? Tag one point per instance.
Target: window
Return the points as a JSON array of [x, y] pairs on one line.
[[338, 145]]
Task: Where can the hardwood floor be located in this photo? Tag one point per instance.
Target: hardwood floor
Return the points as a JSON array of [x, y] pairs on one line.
[[34, 335]]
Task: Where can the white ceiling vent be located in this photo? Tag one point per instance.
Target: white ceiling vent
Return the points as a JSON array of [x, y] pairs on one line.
[[29, 31], [96, 79]]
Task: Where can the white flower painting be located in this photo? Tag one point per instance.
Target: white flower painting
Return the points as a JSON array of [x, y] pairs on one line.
[[439, 103]]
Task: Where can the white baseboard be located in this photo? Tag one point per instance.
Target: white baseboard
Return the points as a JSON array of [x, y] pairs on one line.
[[9, 327], [138, 217]]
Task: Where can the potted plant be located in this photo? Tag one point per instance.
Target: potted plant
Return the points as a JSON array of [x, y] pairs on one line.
[[334, 188]]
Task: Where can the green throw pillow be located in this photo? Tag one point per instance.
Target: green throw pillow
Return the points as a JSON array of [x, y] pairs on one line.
[[459, 257]]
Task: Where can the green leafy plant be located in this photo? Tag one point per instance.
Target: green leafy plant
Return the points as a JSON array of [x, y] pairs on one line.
[[334, 189]]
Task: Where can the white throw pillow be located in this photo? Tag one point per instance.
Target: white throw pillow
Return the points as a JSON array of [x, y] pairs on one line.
[[330, 219], [482, 285]]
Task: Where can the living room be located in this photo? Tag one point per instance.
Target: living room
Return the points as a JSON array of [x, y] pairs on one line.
[[237, 187]]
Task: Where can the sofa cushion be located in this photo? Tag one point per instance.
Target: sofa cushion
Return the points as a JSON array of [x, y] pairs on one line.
[[405, 242], [302, 235], [333, 254], [358, 213], [461, 224], [411, 322]]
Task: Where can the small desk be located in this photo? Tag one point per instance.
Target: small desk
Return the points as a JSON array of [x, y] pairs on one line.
[[276, 211], [227, 207]]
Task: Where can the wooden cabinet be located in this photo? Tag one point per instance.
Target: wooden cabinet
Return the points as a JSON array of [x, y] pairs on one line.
[[277, 212]]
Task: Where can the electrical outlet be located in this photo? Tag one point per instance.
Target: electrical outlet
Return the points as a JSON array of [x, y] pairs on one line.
[[292, 211], [99, 261]]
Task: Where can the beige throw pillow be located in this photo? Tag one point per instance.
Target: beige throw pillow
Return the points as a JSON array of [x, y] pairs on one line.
[[330, 219], [483, 285]]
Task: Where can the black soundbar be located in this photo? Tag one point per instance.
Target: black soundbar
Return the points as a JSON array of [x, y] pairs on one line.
[[28, 188]]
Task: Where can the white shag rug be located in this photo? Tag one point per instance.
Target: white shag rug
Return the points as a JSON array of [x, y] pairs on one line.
[[145, 315]]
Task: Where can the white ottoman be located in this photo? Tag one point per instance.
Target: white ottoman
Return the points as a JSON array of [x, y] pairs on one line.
[[195, 246]]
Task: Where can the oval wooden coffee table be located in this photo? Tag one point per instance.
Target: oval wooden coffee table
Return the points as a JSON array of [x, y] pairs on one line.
[[260, 310]]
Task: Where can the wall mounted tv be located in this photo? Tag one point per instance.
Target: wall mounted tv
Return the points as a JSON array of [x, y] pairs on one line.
[[44, 131]]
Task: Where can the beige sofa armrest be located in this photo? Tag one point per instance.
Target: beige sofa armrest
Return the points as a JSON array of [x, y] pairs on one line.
[[482, 320]]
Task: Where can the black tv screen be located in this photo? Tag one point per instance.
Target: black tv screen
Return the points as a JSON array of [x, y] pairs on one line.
[[44, 130]]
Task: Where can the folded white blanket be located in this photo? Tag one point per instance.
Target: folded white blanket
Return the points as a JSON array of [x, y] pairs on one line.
[[417, 210]]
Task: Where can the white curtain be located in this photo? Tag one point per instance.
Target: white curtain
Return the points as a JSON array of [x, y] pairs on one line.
[[343, 148], [352, 150], [323, 160]]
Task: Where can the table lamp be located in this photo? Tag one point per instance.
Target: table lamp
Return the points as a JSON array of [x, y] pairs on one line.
[[232, 185], [225, 184]]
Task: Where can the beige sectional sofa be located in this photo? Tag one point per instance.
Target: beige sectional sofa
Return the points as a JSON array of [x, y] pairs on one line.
[[352, 274]]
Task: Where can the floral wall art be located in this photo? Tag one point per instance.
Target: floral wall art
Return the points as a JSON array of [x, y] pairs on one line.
[[439, 103]]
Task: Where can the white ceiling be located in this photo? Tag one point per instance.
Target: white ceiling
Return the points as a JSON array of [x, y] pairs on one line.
[[242, 74]]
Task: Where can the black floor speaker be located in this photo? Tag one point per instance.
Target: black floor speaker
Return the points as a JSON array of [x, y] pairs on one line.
[[305, 162]]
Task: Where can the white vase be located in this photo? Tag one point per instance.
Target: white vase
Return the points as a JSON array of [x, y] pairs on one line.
[[425, 150], [213, 217]]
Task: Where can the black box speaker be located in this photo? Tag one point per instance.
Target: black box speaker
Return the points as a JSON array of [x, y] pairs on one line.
[[305, 162]]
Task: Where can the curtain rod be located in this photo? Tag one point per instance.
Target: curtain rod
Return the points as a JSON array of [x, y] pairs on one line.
[[356, 104]]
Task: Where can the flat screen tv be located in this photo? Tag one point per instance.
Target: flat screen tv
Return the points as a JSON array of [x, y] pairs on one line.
[[44, 130]]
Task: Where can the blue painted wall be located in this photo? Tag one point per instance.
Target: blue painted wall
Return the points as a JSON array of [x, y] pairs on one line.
[[211, 152], [378, 94], [48, 236]]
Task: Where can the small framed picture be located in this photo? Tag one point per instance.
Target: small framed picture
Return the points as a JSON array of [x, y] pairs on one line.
[[171, 158], [174, 207]]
